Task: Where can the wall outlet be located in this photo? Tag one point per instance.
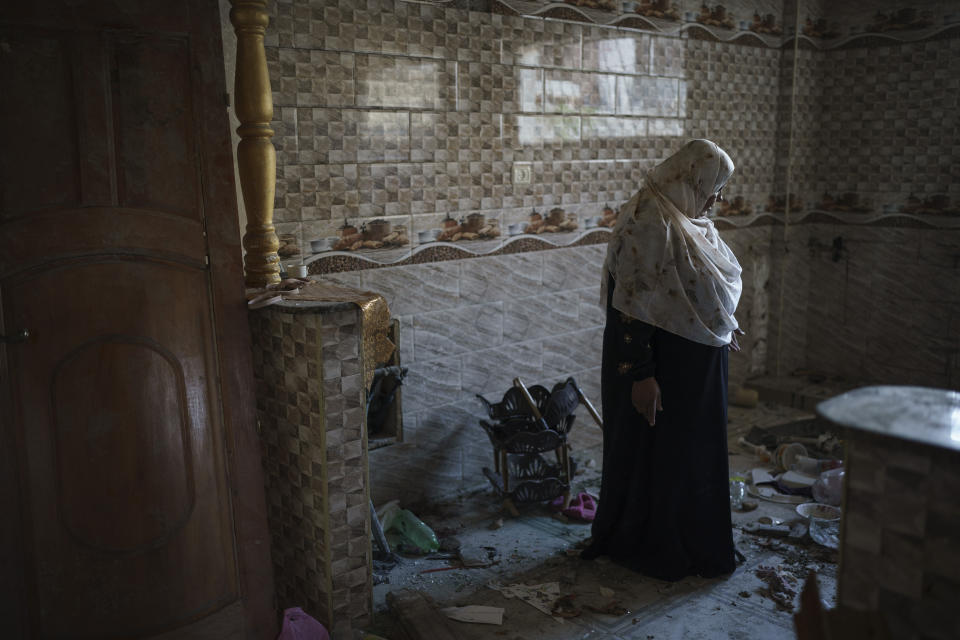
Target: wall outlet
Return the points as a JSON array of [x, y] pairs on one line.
[[522, 172]]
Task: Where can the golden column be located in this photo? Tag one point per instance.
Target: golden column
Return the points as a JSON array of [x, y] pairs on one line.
[[256, 157]]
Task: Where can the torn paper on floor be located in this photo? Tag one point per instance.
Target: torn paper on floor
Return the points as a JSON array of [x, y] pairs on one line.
[[539, 596], [475, 613]]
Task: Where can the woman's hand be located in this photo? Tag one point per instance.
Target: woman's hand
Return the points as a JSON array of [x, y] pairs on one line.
[[734, 343], [645, 395]]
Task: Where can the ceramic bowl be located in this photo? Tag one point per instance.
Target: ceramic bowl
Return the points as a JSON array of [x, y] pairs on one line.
[[818, 511], [323, 244]]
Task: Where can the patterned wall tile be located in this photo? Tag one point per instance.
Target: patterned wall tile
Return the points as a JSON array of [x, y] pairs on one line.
[[617, 51], [607, 137], [541, 43], [647, 96], [497, 88], [415, 83], [575, 92], [669, 127], [315, 461], [667, 56]]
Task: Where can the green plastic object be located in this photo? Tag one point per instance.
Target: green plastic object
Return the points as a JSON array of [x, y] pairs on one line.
[[412, 530]]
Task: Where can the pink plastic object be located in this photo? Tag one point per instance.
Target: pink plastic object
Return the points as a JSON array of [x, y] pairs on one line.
[[297, 625], [582, 507]]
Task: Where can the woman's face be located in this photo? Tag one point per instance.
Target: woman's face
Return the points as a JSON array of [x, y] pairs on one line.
[[717, 197]]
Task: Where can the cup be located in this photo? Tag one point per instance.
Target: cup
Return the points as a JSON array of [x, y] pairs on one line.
[[738, 491], [297, 270]]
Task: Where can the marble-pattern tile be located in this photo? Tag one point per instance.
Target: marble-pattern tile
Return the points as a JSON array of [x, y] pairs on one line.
[[416, 288], [591, 312], [501, 278], [924, 345], [490, 372], [431, 383], [573, 351], [454, 331], [446, 429], [940, 247], [412, 472], [542, 316], [573, 268]]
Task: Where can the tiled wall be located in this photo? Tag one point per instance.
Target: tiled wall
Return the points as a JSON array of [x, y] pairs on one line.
[[310, 416], [900, 526], [413, 114], [870, 277]]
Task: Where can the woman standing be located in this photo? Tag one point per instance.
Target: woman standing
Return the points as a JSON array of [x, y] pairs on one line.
[[671, 287]]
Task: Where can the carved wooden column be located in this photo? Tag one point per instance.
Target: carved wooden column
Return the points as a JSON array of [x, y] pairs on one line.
[[256, 157]]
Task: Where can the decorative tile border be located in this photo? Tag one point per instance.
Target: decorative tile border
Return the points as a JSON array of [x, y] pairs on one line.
[[333, 262], [757, 22]]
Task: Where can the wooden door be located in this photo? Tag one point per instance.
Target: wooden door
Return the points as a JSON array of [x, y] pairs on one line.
[[130, 479]]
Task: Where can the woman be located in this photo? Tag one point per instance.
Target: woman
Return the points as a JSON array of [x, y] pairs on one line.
[[671, 287]]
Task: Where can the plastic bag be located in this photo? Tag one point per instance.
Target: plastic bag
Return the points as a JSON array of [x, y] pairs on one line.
[[406, 531], [297, 625]]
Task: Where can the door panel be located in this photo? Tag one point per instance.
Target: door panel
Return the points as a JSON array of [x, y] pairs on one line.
[[153, 488], [154, 129], [131, 475], [123, 457], [39, 61]]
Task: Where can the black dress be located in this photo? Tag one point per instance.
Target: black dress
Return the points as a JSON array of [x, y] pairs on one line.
[[664, 505]]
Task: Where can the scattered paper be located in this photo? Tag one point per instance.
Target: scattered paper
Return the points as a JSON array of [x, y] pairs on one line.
[[606, 592], [538, 596], [760, 475], [771, 494], [475, 613]]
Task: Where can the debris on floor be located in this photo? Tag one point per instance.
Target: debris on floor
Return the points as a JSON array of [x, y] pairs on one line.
[[417, 617], [538, 553], [564, 607], [481, 614], [539, 596], [781, 586]]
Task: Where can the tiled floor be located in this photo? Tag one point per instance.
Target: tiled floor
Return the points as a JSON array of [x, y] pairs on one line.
[[537, 548]]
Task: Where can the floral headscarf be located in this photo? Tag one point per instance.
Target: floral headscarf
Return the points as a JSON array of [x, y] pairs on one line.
[[670, 266]]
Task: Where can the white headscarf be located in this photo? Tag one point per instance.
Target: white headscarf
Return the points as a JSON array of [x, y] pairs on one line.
[[670, 266]]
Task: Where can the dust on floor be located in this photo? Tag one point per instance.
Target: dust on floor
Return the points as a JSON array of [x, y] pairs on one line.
[[605, 600]]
